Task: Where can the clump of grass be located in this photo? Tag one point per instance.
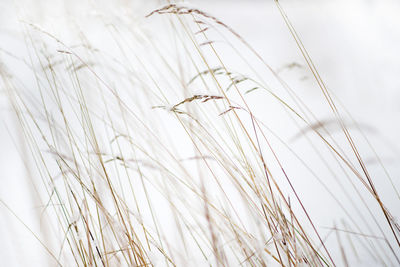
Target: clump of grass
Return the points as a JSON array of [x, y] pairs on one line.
[[138, 168]]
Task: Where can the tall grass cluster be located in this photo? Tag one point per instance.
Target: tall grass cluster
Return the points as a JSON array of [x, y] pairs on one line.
[[144, 147]]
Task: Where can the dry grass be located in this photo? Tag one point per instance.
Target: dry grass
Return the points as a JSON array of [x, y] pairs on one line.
[[137, 168]]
